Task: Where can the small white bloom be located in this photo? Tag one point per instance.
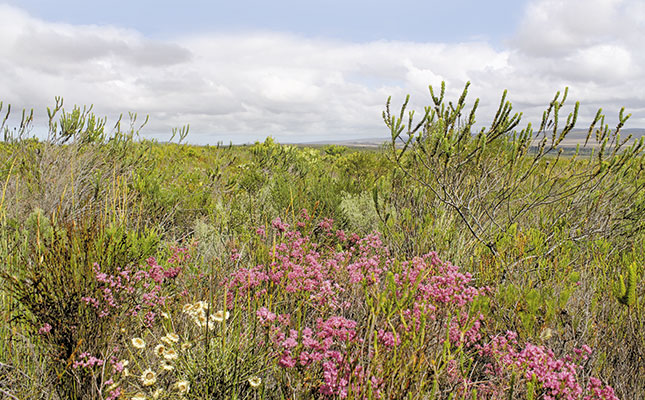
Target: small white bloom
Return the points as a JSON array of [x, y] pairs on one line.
[[201, 320], [173, 337], [170, 338], [138, 396], [160, 349], [149, 377], [220, 316], [201, 305], [182, 386], [188, 308], [138, 343], [170, 354], [255, 381]]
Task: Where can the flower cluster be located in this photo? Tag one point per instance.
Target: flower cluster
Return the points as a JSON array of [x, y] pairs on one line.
[[155, 376], [86, 360], [338, 315], [337, 278], [393, 304], [133, 291], [201, 313], [302, 267], [329, 347], [556, 378]]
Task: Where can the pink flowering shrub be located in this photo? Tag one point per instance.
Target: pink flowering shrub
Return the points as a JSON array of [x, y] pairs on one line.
[[345, 319], [135, 291], [537, 368], [326, 350], [128, 298], [85, 360]]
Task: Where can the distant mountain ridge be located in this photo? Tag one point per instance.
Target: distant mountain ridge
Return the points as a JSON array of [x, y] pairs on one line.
[[575, 137]]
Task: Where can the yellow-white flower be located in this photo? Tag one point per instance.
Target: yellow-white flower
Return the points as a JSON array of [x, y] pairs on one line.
[[255, 381], [188, 308], [220, 316], [201, 320], [138, 396], [165, 315], [185, 346], [126, 372], [546, 334], [157, 393], [149, 377], [160, 349], [170, 354], [173, 337], [170, 338], [182, 386], [201, 305], [138, 343], [167, 366]]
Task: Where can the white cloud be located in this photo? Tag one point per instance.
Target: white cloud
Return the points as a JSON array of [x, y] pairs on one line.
[[244, 87], [558, 27]]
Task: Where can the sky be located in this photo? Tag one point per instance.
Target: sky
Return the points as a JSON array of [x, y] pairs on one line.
[[303, 71]]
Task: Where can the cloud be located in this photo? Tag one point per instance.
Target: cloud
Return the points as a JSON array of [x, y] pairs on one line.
[[246, 86], [558, 27], [592, 46], [583, 40]]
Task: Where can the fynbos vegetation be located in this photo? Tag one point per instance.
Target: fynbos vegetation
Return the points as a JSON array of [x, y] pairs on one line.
[[453, 263]]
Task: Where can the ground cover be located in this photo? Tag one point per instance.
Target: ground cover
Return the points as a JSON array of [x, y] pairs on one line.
[[461, 267]]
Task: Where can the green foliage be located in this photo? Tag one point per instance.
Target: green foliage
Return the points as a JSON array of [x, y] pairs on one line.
[[626, 294], [359, 212], [499, 177], [548, 227], [56, 273], [530, 390]]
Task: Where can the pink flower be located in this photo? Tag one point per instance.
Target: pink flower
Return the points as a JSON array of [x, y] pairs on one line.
[[286, 360], [388, 338], [279, 225], [85, 360], [260, 231], [264, 315], [326, 224], [46, 328]]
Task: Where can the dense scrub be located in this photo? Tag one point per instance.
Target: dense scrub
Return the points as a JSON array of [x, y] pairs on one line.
[[134, 269]]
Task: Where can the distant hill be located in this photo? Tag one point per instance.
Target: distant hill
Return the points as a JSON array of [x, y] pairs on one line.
[[575, 137]]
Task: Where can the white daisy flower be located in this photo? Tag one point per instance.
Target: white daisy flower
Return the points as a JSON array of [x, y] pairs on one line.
[[167, 366], [220, 316], [160, 349], [149, 377], [170, 354], [182, 386], [255, 381], [138, 343]]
